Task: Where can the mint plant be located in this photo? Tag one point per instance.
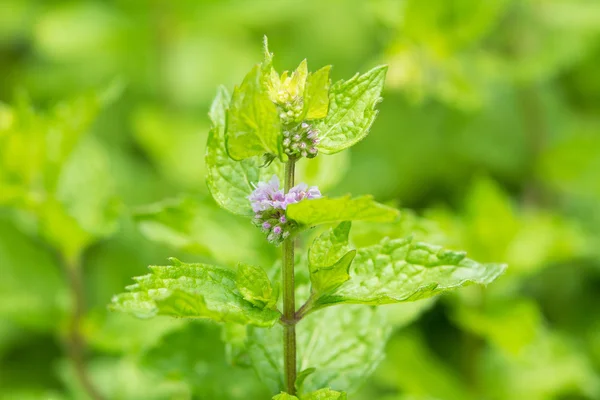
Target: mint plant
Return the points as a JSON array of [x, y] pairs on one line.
[[55, 181], [276, 318]]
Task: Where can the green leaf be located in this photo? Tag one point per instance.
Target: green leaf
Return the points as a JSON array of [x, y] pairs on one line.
[[234, 336], [34, 146], [254, 285], [292, 87], [326, 279], [95, 209], [61, 230], [34, 292], [195, 355], [117, 378], [284, 396], [329, 259], [321, 394], [230, 182], [509, 325], [351, 110], [218, 108], [268, 60], [301, 377], [200, 227], [330, 246], [403, 270], [344, 345], [105, 331], [253, 127], [528, 239], [325, 394], [192, 291], [325, 211], [46, 159], [316, 94], [296, 84]]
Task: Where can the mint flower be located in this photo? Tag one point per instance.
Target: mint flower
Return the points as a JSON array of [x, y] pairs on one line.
[[269, 203], [267, 195], [301, 192], [301, 140]]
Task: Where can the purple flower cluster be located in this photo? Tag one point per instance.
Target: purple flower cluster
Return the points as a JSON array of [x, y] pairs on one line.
[[269, 203], [301, 141]]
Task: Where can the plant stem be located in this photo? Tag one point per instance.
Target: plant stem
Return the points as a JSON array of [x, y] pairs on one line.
[[75, 342], [306, 308], [289, 297]]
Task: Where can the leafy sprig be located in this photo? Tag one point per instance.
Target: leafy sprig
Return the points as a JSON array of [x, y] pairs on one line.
[[259, 133]]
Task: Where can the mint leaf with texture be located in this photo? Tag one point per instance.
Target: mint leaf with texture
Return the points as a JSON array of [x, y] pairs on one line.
[[284, 396], [321, 394], [343, 344], [324, 394], [316, 94], [253, 127], [254, 285], [404, 270], [326, 211], [325, 279], [351, 110], [218, 109], [192, 291], [330, 246], [329, 258], [229, 181]]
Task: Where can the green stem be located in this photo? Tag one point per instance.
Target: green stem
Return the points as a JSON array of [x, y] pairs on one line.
[[306, 308], [76, 345], [289, 298]]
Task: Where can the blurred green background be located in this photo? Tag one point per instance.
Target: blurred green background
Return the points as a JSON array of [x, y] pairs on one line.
[[489, 128]]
